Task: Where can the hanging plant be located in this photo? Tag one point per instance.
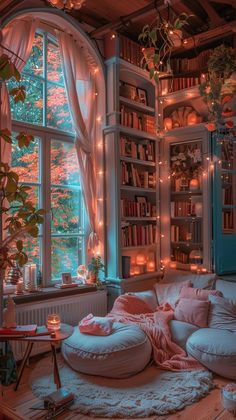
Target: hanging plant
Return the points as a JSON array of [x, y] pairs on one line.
[[158, 39]]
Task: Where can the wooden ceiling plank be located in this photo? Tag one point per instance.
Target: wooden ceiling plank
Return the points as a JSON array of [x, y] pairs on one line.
[[136, 15], [230, 2], [215, 19]]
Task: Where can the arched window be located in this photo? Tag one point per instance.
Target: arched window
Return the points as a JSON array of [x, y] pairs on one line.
[[50, 164]]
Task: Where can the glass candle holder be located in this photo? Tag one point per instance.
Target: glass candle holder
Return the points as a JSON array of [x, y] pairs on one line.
[[53, 322]]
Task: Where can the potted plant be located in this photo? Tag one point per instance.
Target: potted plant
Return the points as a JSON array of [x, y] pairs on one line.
[[159, 38], [94, 267]]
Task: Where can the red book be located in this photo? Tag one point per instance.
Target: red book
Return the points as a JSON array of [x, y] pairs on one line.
[[19, 330]]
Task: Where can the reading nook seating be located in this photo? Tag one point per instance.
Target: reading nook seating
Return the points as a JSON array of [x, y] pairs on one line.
[[214, 346]]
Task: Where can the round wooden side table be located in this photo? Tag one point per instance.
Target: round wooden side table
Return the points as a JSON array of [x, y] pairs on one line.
[[60, 335]]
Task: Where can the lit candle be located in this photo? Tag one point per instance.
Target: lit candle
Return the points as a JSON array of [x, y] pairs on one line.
[[150, 266], [193, 267], [204, 270], [53, 322]]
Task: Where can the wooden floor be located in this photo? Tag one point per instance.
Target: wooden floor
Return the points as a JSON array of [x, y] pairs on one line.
[[17, 405]]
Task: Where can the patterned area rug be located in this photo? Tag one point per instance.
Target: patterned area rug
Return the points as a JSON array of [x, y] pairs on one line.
[[151, 392]]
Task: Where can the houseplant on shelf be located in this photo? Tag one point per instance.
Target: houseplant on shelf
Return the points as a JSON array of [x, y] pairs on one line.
[[94, 267], [19, 218], [159, 38], [219, 87]]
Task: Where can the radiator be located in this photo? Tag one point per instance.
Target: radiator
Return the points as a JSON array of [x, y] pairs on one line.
[[70, 308]]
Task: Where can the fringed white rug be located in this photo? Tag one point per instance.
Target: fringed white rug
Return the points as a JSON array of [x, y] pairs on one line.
[[153, 391]]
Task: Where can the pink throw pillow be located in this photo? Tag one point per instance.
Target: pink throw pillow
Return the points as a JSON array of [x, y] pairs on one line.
[[199, 294], [96, 325], [169, 292], [193, 311]]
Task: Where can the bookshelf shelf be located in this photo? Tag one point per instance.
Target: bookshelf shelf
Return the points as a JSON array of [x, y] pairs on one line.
[[138, 247], [139, 219], [137, 189], [138, 161], [137, 105], [186, 218], [187, 243], [189, 192]]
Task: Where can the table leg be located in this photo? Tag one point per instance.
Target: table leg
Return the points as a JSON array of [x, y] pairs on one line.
[[57, 379], [23, 363]]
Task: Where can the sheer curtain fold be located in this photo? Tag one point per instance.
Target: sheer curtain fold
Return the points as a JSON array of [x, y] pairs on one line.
[[17, 37], [80, 88]]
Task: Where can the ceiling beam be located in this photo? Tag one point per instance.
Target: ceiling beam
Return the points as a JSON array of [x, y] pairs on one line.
[[136, 15], [209, 36], [230, 2], [215, 19]]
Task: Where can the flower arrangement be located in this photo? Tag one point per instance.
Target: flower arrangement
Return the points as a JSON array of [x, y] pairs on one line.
[[82, 273], [94, 267], [186, 161]]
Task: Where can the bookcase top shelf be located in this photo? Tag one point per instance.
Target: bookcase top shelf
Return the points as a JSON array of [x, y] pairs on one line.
[[180, 95], [139, 219]]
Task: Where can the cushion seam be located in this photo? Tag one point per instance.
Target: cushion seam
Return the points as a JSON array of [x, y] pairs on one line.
[[112, 351], [207, 352]]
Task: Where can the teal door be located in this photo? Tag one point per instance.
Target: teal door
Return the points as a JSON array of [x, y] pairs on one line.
[[224, 202]]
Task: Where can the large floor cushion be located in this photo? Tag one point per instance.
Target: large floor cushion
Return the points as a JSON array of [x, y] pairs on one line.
[[121, 354], [215, 349]]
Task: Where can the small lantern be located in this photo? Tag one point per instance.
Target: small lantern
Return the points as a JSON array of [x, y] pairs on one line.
[[194, 184], [151, 266], [136, 270], [53, 322], [168, 124], [140, 259]]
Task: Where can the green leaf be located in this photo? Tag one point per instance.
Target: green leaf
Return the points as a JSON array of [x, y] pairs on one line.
[[5, 134], [24, 139], [33, 231], [18, 94], [11, 186], [19, 245]]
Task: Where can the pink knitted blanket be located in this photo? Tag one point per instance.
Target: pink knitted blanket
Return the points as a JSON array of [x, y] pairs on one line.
[[166, 354]]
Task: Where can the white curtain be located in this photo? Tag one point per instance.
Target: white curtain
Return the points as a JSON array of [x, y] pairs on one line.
[[17, 37], [80, 88]]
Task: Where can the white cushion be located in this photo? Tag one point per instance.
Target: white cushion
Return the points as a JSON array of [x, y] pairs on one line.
[[222, 313], [228, 288], [125, 352], [169, 292], [215, 349], [148, 296], [199, 281], [180, 332]]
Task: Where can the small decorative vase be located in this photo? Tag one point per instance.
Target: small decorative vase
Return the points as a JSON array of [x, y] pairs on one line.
[[9, 314], [228, 397], [93, 278], [14, 274]]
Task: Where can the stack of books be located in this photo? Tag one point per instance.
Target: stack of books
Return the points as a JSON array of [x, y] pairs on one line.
[[21, 331]]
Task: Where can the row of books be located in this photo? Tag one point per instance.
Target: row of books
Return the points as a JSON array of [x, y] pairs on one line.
[[137, 120], [134, 177], [130, 51], [182, 65], [182, 208], [227, 195], [178, 83], [138, 235], [191, 233], [142, 151], [137, 209], [228, 219], [180, 256]]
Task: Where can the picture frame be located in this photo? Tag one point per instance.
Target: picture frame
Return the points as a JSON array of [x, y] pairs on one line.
[[66, 278], [129, 91], [142, 96]]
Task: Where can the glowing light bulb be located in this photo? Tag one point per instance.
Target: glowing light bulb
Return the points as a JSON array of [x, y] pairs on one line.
[[185, 41], [98, 118], [113, 36]]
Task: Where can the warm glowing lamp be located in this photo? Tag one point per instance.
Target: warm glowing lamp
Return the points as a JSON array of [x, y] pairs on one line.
[[194, 184], [150, 266], [140, 259]]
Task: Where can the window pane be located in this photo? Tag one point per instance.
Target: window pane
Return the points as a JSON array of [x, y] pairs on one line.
[[35, 63], [54, 69], [64, 164], [31, 110], [58, 115], [66, 256], [66, 205], [25, 161]]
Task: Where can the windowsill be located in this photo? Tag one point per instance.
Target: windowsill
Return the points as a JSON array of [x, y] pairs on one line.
[[51, 293]]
